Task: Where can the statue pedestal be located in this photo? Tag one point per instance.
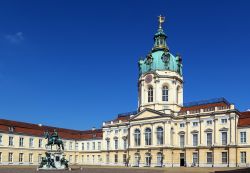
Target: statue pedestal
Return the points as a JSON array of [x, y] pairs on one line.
[[54, 160]]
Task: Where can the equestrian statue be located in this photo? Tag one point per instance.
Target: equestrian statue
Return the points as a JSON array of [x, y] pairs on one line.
[[54, 139]]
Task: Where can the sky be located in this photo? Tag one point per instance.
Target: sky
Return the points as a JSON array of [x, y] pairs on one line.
[[73, 64]]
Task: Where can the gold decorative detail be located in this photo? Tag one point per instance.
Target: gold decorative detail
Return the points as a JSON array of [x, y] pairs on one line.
[[161, 19]]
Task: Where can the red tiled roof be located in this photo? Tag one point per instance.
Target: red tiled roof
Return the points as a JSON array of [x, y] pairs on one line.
[[203, 106], [244, 119], [36, 130]]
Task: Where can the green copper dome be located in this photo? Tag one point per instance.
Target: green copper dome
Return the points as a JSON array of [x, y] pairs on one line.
[[160, 58]]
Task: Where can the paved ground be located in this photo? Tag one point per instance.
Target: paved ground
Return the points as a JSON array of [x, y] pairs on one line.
[[7, 169]]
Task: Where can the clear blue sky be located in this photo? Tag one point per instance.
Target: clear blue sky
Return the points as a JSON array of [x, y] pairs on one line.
[[73, 64]]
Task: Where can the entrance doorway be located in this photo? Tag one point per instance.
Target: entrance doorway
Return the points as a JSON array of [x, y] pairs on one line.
[[182, 159]]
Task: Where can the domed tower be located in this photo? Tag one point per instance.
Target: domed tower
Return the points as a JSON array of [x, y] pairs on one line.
[[160, 84]]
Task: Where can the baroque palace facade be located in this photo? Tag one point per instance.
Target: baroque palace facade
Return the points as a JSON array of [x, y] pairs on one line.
[[163, 132]]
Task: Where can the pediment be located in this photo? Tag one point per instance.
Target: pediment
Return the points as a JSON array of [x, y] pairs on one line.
[[148, 114]]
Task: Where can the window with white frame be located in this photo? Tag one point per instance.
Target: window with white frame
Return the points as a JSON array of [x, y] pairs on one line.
[[107, 158], [108, 144], [116, 158], [243, 156], [165, 93], [209, 157], [70, 145], [195, 139], [125, 131], [10, 159], [209, 139], [87, 145], [93, 145], [182, 140], [0, 157], [195, 124], [108, 132], [124, 158], [30, 157], [116, 144], [40, 143], [116, 131], [21, 142], [243, 136], [150, 94], [159, 159], [20, 157], [224, 138], [31, 142], [99, 146], [137, 137], [76, 146], [39, 158], [82, 146], [182, 125], [148, 136], [82, 158], [224, 157], [159, 132], [195, 158], [223, 121], [209, 122], [124, 144], [1, 139], [11, 141]]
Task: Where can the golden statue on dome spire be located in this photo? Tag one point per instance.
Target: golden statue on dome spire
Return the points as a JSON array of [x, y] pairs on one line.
[[161, 19]]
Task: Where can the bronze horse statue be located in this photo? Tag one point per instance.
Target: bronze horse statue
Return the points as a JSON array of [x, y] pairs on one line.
[[53, 139]]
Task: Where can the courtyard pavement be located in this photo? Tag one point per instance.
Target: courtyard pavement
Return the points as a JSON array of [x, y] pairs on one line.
[[90, 169]]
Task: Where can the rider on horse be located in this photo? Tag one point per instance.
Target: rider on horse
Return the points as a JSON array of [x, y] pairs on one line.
[[54, 136]]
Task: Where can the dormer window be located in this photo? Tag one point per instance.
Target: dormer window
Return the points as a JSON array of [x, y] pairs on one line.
[[11, 129]]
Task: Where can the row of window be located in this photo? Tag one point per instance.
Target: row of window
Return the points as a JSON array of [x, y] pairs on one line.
[[116, 144], [164, 94], [21, 157], [117, 131], [159, 134], [88, 147], [208, 123], [21, 142]]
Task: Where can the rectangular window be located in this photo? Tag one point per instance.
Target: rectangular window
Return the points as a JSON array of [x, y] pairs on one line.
[[39, 158], [182, 141], [116, 132], [82, 158], [107, 158], [182, 125], [209, 122], [195, 139], [10, 159], [195, 158], [76, 158], [209, 139], [223, 121], [70, 159], [93, 145], [124, 144], [30, 158], [21, 142], [108, 144], [20, 157], [88, 146], [70, 146], [31, 142], [224, 157], [0, 157], [87, 158], [125, 131], [1, 139], [82, 146], [124, 158], [195, 124], [116, 144], [99, 158], [243, 139], [93, 159], [243, 157], [99, 146], [40, 143], [10, 140], [116, 158], [224, 138], [76, 146], [209, 158]]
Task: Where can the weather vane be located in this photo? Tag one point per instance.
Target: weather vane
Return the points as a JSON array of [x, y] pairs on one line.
[[161, 20]]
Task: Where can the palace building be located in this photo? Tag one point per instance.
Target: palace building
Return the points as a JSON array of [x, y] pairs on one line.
[[163, 131]]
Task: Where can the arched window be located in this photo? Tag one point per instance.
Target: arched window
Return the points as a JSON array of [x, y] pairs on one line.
[[165, 93], [150, 94], [148, 136], [137, 137], [159, 132]]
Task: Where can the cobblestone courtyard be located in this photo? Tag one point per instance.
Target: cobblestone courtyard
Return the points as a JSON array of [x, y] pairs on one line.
[[14, 169]]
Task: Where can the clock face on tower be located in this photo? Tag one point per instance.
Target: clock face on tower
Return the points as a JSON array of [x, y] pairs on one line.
[[148, 78]]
